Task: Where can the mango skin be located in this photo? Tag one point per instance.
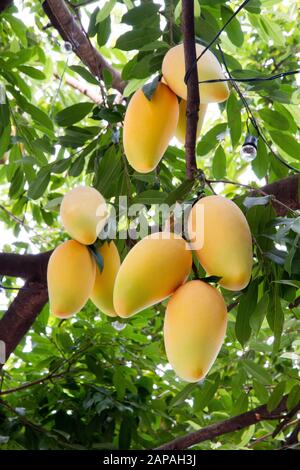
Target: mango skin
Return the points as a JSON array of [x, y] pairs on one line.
[[194, 329], [227, 247], [102, 293], [173, 69], [181, 127], [149, 126], [70, 277], [153, 269], [83, 212]]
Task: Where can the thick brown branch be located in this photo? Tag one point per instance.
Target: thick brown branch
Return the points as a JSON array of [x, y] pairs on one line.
[[286, 191], [193, 99], [32, 267], [22, 313], [224, 427], [64, 22]]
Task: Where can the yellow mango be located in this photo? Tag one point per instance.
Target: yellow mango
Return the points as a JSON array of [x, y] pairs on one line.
[[83, 212], [149, 126], [70, 276], [181, 127], [194, 329], [173, 69], [227, 244], [102, 293], [153, 269]]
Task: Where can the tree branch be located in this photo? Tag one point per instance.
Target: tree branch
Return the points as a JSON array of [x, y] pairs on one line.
[[286, 191], [32, 267], [22, 313], [193, 99], [65, 23], [236, 423], [82, 88]]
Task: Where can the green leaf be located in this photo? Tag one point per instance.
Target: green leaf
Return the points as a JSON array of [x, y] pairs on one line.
[[180, 193], [261, 163], [274, 119], [4, 139], [136, 16], [84, 73], [73, 114], [137, 38], [259, 313], [151, 196], [257, 371], [149, 88], [126, 428], [245, 309], [104, 30], [287, 143], [211, 139], [32, 72], [39, 185], [290, 255], [105, 11], [77, 166], [260, 391], [17, 183], [219, 163], [18, 27], [234, 119], [233, 29], [98, 257], [276, 396], [182, 395], [294, 397], [205, 394], [38, 115], [278, 320]]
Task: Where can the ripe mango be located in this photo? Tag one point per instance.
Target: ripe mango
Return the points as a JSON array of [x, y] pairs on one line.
[[227, 246], [70, 276], [153, 269], [83, 212], [173, 69], [194, 329], [181, 127], [102, 293], [149, 126]]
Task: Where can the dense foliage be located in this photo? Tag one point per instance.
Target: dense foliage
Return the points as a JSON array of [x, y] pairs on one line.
[[107, 384]]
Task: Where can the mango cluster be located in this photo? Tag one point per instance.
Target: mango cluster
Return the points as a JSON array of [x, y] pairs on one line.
[[150, 124], [155, 269], [73, 275]]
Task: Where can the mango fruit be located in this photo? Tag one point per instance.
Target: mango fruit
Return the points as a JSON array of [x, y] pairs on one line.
[[181, 127], [102, 293], [194, 329], [226, 250], [153, 269], [173, 69], [70, 277], [149, 126], [83, 212]]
